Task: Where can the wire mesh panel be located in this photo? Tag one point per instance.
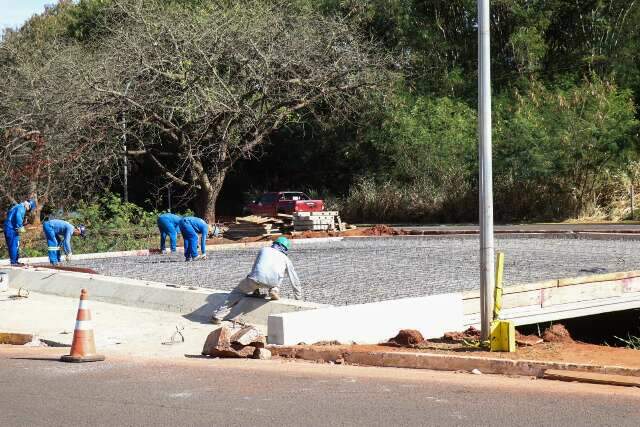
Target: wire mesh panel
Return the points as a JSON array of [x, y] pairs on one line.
[[363, 270]]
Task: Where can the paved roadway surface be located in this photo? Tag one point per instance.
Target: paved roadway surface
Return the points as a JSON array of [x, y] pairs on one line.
[[245, 392]]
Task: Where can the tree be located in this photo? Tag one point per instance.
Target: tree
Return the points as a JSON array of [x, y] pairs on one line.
[[195, 89], [44, 151]]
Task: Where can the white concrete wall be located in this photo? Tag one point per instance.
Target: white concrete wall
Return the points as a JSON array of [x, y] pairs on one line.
[[369, 323]]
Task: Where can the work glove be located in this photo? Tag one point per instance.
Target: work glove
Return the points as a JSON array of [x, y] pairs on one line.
[[22, 230], [67, 257]]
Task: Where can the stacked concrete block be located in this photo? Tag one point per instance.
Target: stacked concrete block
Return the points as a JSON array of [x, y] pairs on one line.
[[316, 221]]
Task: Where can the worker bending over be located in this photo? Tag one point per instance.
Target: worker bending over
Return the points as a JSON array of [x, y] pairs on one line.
[[14, 227], [190, 227], [169, 225], [58, 232], [268, 272]]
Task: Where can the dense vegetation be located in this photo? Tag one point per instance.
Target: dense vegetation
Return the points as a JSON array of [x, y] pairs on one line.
[[369, 103]]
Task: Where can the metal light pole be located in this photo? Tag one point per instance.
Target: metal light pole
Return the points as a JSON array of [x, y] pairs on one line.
[[487, 278], [124, 149]]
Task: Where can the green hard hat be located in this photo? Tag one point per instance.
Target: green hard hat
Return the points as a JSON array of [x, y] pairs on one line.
[[283, 241]]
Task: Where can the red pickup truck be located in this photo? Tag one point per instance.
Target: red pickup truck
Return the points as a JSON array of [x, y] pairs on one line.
[[287, 202]]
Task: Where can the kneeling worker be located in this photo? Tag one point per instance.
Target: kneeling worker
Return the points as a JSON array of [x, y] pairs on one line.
[[57, 232], [190, 227], [169, 225], [268, 272]]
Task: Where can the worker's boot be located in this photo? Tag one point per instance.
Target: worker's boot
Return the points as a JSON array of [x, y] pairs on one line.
[[274, 294]]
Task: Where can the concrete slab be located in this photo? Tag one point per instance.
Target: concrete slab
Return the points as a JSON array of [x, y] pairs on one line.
[[118, 329], [195, 303], [369, 323]]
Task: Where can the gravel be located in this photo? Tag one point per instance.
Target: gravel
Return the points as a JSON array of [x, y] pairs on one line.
[[364, 270]]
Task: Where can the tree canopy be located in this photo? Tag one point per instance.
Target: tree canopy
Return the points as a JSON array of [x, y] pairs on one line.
[[366, 101]]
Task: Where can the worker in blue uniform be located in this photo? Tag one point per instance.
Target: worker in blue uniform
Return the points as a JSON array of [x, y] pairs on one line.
[[169, 225], [59, 232], [14, 227], [190, 227]]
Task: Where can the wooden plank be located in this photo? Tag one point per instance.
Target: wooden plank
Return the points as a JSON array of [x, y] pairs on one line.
[[631, 284], [581, 292], [526, 287], [522, 299], [253, 219], [598, 278]]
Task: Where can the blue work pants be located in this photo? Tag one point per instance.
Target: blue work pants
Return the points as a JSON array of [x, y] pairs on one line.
[[53, 244], [167, 229], [190, 237], [12, 238]]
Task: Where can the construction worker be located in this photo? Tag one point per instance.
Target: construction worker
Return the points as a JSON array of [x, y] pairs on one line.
[[57, 232], [268, 272], [190, 227], [169, 225], [14, 227]]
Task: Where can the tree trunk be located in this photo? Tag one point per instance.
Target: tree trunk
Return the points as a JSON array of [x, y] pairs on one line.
[[208, 195], [35, 215]]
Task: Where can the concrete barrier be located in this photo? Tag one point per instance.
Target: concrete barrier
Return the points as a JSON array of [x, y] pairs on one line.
[[194, 303], [369, 323]]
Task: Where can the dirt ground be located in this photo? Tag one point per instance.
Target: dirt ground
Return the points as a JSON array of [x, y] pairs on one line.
[[548, 352]]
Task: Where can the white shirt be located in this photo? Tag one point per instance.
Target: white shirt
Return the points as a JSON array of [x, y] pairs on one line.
[[270, 267]]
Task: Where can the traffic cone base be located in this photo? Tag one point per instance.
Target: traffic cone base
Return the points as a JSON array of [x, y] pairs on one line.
[[83, 348], [78, 359]]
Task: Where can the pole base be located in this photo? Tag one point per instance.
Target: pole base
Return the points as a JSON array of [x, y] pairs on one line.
[[79, 359]]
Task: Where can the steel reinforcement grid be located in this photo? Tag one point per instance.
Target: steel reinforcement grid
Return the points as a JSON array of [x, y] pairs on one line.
[[361, 270]]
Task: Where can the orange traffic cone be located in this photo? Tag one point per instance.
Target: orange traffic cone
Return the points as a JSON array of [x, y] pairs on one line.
[[83, 348]]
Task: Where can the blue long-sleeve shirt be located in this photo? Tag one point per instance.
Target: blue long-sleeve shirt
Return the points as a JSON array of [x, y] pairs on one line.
[[15, 217], [65, 229], [198, 226], [170, 219]]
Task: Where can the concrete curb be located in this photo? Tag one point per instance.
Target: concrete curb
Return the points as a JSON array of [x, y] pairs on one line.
[[146, 252], [195, 304], [446, 362]]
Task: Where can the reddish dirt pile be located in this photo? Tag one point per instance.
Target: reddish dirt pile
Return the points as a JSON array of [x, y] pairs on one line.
[[407, 338], [376, 230], [469, 334], [557, 333], [382, 230]]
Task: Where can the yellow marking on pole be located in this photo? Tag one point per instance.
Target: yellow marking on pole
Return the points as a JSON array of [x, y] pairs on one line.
[[497, 298]]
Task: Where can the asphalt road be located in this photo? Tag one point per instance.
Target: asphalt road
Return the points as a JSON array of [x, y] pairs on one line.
[[239, 392]]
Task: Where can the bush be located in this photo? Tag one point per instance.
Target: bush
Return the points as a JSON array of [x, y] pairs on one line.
[[112, 225], [371, 201]]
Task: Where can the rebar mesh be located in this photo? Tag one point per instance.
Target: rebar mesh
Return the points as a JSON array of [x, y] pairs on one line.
[[374, 269]]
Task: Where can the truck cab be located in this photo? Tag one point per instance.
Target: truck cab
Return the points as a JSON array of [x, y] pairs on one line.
[[287, 202]]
